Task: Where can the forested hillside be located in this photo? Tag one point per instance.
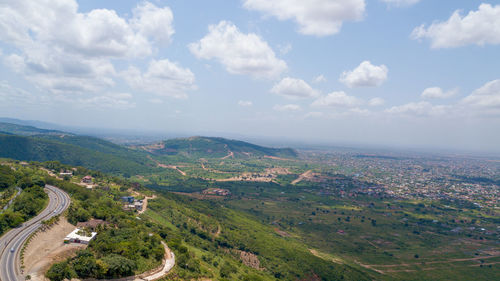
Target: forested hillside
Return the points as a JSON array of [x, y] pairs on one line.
[[216, 147], [99, 156]]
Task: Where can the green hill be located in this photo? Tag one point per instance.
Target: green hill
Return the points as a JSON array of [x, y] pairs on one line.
[[211, 147], [88, 152], [27, 130]]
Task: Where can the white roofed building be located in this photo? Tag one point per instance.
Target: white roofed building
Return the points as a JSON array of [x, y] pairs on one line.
[[80, 236]]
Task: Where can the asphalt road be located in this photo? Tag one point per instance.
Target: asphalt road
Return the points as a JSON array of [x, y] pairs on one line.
[[12, 242]]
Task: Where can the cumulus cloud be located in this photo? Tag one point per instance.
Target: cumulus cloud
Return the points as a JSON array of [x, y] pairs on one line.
[[163, 78], [245, 103], [64, 51], [13, 95], [422, 108], [437, 93], [240, 53], [484, 101], [365, 75], [319, 17], [337, 99], [294, 89], [399, 3], [44, 23], [63, 73], [479, 27], [154, 22], [376, 102], [287, 107], [486, 98]]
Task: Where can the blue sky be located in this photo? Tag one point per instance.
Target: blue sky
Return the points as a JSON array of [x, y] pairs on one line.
[[405, 73]]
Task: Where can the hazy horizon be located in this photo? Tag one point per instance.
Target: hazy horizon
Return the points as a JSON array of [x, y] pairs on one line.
[[403, 74]]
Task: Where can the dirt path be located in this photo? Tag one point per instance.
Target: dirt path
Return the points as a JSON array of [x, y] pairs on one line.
[[144, 201], [167, 166], [231, 154], [47, 247], [19, 190], [325, 256], [217, 233], [278, 158], [167, 265], [212, 170], [302, 176]]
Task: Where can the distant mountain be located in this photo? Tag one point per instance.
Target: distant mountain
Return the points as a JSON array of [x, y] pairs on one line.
[[88, 152], [211, 147], [28, 143], [32, 123], [27, 130]]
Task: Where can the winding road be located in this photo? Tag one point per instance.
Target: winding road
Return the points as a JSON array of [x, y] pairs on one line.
[[12, 242]]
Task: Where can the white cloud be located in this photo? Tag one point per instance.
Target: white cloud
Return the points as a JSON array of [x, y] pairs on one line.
[[63, 73], [479, 27], [365, 75], [319, 79], [64, 51], [245, 103], [287, 107], [163, 78], [486, 98], [337, 99], [422, 108], [13, 95], [319, 17], [376, 102], [294, 89], [437, 93], [240, 53], [154, 22], [400, 3]]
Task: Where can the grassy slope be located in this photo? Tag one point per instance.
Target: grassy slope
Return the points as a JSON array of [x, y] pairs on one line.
[[280, 256]]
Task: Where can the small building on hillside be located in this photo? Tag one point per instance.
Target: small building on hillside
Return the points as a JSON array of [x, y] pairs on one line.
[[80, 236], [138, 205], [66, 173], [216, 191], [87, 179], [128, 199]]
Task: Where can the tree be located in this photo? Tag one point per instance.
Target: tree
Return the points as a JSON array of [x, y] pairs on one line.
[[86, 265], [6, 177], [227, 269], [59, 272], [118, 266]]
